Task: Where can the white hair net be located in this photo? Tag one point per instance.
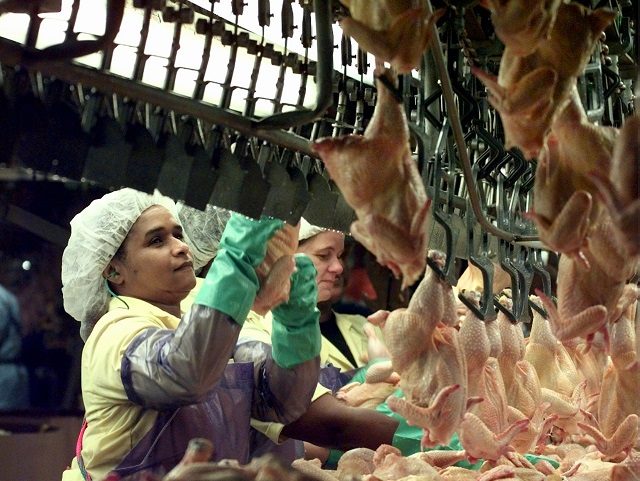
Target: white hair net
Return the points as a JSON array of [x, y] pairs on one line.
[[308, 230], [204, 229], [96, 235]]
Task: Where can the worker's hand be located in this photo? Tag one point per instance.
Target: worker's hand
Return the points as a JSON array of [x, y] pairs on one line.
[[232, 283], [295, 331], [247, 238]]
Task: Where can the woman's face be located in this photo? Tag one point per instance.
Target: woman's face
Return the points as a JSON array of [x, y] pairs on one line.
[[156, 266], [325, 250]]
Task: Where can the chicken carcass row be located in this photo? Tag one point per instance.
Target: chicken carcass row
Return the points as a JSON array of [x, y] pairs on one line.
[[380, 180], [530, 89]]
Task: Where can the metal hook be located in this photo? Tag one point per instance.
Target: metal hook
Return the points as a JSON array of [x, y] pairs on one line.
[[538, 268], [505, 249], [521, 165], [540, 310], [525, 276], [441, 217], [324, 77], [505, 310], [495, 151], [478, 312], [478, 258]]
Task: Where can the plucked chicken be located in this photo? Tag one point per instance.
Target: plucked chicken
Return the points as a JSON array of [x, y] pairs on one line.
[[380, 180], [394, 31]]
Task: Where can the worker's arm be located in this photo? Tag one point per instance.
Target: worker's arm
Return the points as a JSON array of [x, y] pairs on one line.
[[163, 368], [331, 423]]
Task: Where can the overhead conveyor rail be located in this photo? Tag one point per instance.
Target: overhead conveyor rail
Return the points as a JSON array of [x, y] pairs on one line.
[[217, 102]]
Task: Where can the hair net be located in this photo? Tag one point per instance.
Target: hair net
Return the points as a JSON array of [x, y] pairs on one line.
[[308, 230], [204, 229], [96, 234]]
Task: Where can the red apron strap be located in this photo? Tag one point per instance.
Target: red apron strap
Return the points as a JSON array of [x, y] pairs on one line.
[[83, 470]]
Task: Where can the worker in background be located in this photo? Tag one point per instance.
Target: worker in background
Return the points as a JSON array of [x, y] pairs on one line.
[[155, 376], [345, 344], [14, 377]]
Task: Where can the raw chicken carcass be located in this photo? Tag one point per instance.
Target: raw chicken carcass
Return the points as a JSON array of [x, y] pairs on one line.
[[493, 409], [619, 393], [564, 206], [199, 451], [436, 420], [456, 473], [420, 341], [442, 458], [511, 473], [620, 189], [620, 442], [522, 24], [438, 401], [446, 367], [624, 344], [394, 466], [481, 443], [275, 286], [264, 467], [311, 469], [408, 332], [283, 243], [365, 395], [356, 462], [535, 435], [475, 345], [380, 180], [583, 146], [275, 271], [530, 89], [434, 297], [525, 103], [550, 359], [562, 213], [392, 30], [519, 376], [589, 298]]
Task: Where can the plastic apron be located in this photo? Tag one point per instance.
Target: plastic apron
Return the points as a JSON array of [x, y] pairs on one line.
[[223, 418], [332, 378]]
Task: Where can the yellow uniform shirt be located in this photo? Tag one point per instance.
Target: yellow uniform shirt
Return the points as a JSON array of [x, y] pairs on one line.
[[114, 424], [351, 327]]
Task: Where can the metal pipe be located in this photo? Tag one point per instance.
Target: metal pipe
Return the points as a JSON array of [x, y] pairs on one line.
[[37, 225], [452, 112]]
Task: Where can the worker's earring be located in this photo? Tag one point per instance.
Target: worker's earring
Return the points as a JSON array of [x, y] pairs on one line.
[[111, 275]]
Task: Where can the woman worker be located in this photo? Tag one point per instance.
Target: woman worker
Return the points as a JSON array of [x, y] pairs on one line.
[[345, 342], [154, 377]]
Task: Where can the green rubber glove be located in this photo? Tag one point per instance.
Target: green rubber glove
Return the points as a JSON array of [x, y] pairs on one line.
[[295, 335], [332, 460], [231, 283]]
